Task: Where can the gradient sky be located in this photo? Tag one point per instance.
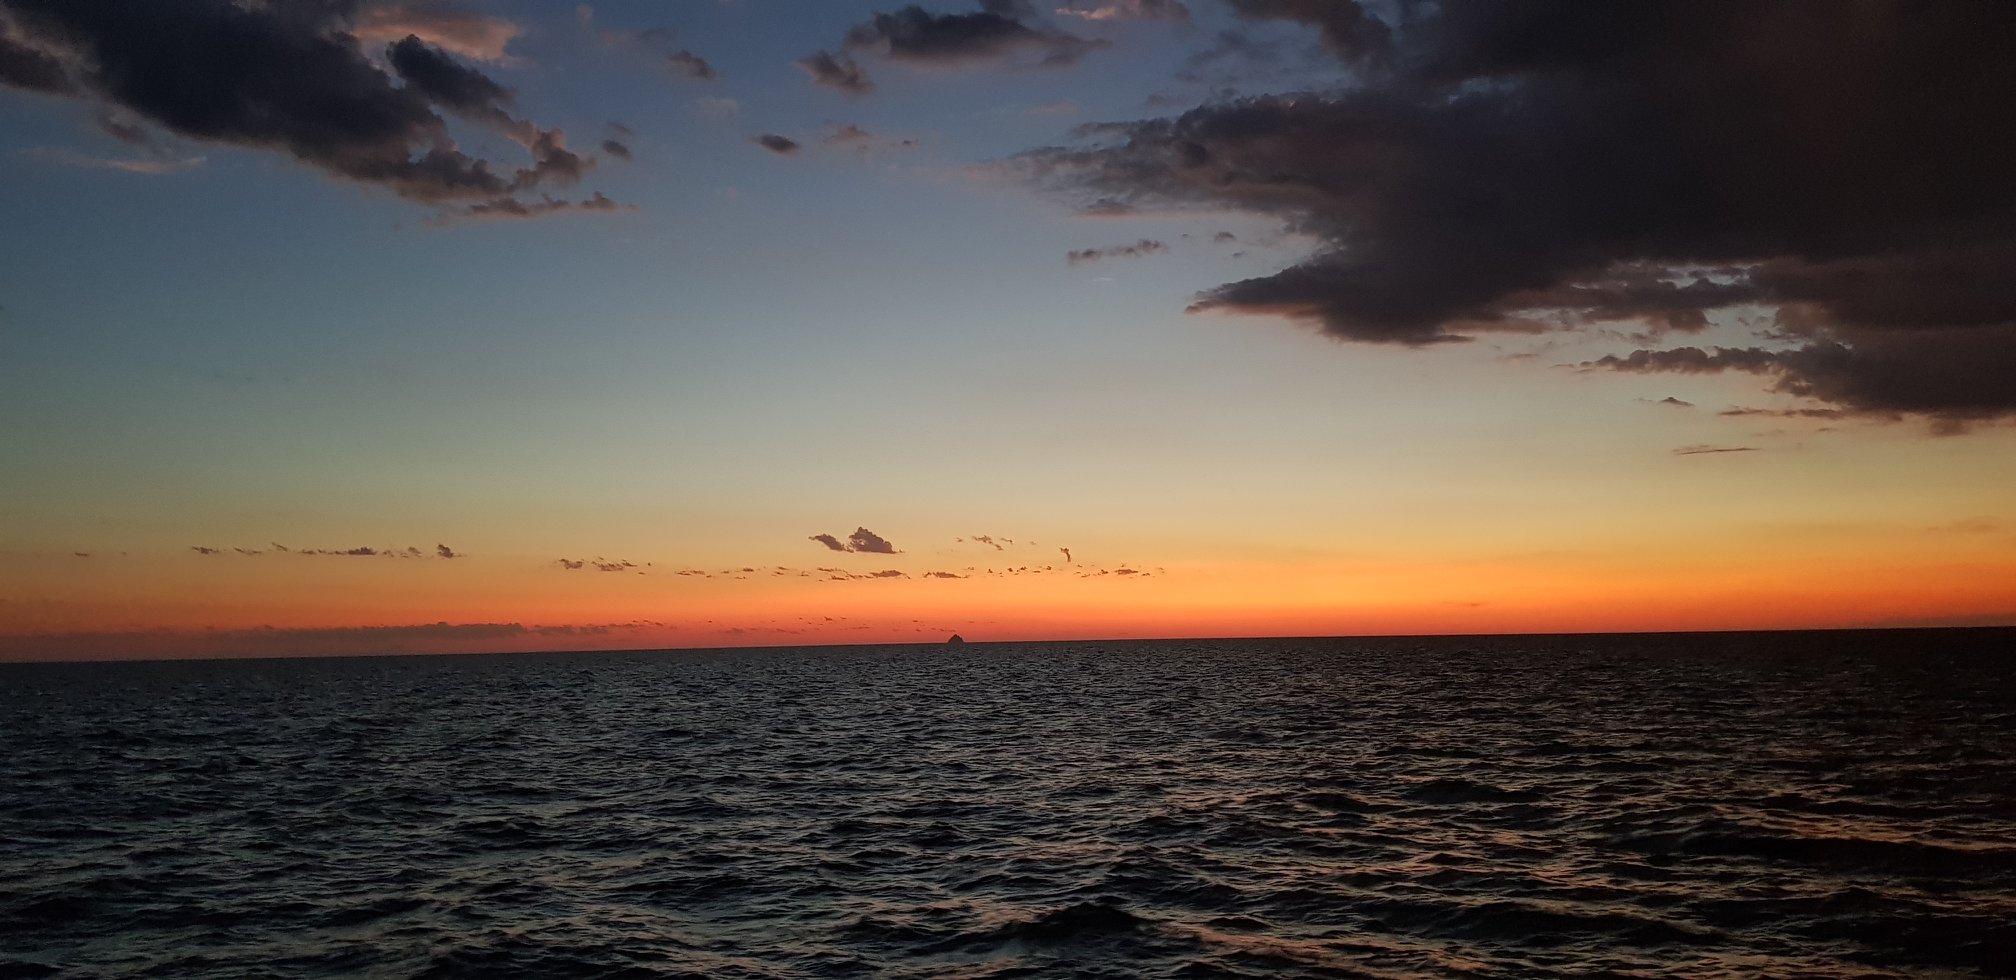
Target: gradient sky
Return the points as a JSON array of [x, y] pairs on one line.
[[1283, 317]]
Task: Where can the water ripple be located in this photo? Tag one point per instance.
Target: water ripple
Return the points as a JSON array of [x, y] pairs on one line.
[[1734, 805]]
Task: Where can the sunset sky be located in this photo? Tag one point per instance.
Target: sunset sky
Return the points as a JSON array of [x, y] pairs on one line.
[[352, 327]]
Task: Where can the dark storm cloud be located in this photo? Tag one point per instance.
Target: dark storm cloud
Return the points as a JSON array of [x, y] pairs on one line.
[[294, 78], [1146, 246], [996, 33], [1550, 165], [836, 71], [686, 64], [445, 82], [780, 145]]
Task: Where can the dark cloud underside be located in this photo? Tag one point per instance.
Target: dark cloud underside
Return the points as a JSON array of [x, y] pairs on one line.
[[292, 78], [1547, 165], [1001, 32]]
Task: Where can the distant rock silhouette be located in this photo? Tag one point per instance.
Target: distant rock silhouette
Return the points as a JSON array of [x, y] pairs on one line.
[[956, 641]]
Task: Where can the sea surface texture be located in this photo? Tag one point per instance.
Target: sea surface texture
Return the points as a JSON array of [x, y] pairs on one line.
[[1825, 804]]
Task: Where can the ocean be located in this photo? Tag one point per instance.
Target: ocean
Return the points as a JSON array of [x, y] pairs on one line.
[[1761, 804]]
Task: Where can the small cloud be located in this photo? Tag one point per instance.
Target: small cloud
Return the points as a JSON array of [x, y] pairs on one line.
[[443, 551], [943, 575], [987, 540], [780, 145], [508, 208], [1067, 555], [686, 64], [1115, 10], [572, 565], [153, 166], [864, 540], [849, 135], [1675, 402], [994, 34], [1107, 208], [836, 72], [615, 149], [1146, 246], [1785, 413], [829, 541], [1699, 450], [201, 550]]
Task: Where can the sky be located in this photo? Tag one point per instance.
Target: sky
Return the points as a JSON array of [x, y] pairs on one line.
[[400, 326]]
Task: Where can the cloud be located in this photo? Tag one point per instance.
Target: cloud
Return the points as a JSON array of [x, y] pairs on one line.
[[836, 72], [1677, 403], [838, 575], [997, 33], [780, 145], [1145, 246], [154, 166], [616, 149], [1785, 413], [295, 79], [849, 135], [988, 540], [468, 34], [1698, 450], [599, 564], [686, 64], [1113, 10], [1550, 165], [31, 67], [943, 575], [1067, 555], [862, 541], [410, 551], [513, 207]]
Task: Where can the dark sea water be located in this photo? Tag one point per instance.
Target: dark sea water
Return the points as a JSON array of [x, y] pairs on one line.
[[1824, 804]]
